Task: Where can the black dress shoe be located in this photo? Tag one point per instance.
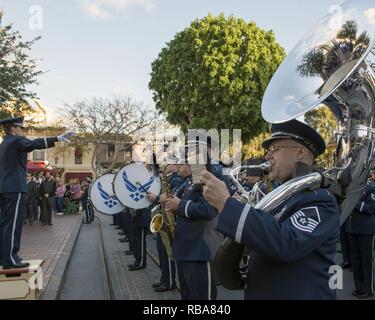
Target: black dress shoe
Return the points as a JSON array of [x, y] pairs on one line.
[[50, 224], [131, 264], [164, 288], [123, 240], [118, 228], [364, 295], [121, 233], [356, 293], [156, 284], [17, 266], [136, 267]]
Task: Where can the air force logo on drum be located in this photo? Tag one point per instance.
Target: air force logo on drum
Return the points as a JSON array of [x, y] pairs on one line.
[[110, 201], [137, 193]]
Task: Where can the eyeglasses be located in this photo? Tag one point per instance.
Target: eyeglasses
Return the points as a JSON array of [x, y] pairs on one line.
[[273, 149]]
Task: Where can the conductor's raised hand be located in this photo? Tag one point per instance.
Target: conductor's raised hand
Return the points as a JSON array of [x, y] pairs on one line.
[[66, 136]]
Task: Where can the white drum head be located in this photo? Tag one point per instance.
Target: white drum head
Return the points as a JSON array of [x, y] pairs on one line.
[[102, 196], [132, 183]]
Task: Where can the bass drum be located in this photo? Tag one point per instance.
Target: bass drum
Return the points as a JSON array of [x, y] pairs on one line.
[[102, 197], [132, 183]]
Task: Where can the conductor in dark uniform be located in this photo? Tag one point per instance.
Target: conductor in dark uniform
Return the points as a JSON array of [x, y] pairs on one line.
[[361, 229], [13, 186], [294, 244]]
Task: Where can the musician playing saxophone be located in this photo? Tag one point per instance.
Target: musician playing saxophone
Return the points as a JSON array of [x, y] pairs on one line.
[[167, 265], [295, 244]]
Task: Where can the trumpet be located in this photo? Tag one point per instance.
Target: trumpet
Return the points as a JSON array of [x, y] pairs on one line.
[[256, 193]]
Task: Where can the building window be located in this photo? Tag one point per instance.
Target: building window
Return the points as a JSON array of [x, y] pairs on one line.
[[38, 155], [110, 150], [78, 155]]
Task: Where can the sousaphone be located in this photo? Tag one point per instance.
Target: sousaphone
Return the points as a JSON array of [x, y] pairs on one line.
[[331, 66]]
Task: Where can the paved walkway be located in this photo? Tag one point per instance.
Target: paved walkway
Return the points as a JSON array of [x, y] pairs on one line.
[[130, 285], [48, 242]]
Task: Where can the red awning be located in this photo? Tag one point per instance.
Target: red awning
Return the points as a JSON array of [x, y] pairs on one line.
[[80, 175], [37, 166]]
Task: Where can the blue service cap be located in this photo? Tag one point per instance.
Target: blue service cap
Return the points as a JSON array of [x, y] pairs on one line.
[[299, 132], [15, 121]]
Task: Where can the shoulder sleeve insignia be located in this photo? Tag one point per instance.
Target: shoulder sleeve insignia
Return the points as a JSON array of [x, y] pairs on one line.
[[306, 219]]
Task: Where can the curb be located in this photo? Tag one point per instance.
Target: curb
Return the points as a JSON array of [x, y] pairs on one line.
[[53, 288], [105, 264]]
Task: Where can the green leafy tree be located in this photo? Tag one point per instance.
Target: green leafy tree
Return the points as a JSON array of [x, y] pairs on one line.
[[254, 148], [323, 120], [17, 72], [213, 74]]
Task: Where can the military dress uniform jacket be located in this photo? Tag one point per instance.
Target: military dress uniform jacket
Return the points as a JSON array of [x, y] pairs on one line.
[[175, 181], [362, 220], [294, 245], [13, 159], [195, 236]]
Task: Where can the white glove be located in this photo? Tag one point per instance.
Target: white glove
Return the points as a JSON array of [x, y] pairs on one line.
[[66, 136]]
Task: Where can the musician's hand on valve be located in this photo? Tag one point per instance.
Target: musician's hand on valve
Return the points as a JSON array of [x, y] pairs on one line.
[[215, 191], [172, 204]]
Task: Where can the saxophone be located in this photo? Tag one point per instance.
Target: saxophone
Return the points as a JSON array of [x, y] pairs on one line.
[[163, 221]]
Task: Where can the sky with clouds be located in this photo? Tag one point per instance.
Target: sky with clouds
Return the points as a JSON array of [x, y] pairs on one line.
[[98, 48]]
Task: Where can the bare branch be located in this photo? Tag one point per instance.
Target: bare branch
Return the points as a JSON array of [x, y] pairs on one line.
[[106, 121]]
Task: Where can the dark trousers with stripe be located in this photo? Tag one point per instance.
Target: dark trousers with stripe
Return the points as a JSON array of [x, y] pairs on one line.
[[139, 245], [13, 210], [167, 265], [196, 280], [89, 211], [362, 255]]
